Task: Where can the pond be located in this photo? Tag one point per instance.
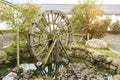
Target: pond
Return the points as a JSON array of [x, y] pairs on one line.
[[74, 71]]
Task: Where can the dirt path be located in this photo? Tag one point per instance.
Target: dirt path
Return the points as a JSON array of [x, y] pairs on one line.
[[113, 42]]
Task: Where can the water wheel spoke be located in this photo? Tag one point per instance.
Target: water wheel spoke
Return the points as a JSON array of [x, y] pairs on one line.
[[38, 35], [43, 32], [46, 23], [59, 19], [39, 51], [39, 25], [48, 18], [50, 50], [52, 16], [43, 22], [56, 17], [43, 40], [63, 29], [56, 21], [43, 72], [63, 49], [65, 26], [52, 21], [61, 26], [44, 19], [39, 44]]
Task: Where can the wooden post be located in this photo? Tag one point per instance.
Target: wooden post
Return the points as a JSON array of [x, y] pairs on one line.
[[88, 36], [18, 54], [57, 58]]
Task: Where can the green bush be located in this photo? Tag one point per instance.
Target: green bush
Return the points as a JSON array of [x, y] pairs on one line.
[[99, 27], [115, 27], [83, 16]]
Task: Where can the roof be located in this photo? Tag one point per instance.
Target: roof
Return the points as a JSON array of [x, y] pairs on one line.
[[109, 9]]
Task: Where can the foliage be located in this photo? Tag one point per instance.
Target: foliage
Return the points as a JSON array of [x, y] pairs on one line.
[[84, 14], [108, 52], [115, 27], [99, 27], [19, 15]]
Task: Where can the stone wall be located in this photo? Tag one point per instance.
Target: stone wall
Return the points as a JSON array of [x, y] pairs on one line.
[[97, 58]]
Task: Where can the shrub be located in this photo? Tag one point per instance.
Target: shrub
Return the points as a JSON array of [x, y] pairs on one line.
[[115, 27]]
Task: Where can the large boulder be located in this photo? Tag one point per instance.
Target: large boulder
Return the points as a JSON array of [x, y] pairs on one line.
[[116, 62], [96, 43], [109, 59], [116, 77], [1, 41], [39, 79], [3, 56]]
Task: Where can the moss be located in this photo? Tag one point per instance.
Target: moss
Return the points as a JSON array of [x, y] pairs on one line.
[[74, 59], [108, 52]]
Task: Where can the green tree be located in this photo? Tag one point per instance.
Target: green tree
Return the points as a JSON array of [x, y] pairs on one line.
[[84, 14], [19, 18], [99, 27], [19, 15]]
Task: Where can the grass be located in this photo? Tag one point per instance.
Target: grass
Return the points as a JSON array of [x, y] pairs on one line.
[[108, 52]]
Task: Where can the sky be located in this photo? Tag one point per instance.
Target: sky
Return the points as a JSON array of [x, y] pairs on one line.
[[62, 1]]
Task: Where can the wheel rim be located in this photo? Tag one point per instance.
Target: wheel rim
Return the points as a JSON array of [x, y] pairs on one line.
[[45, 28]]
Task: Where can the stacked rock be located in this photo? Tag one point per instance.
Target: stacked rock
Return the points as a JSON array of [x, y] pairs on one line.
[[77, 71]]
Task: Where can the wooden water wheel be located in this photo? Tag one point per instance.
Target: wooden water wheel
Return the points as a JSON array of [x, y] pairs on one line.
[[49, 35]]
